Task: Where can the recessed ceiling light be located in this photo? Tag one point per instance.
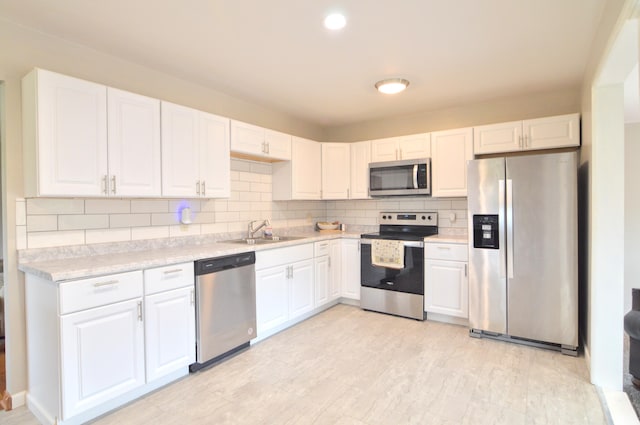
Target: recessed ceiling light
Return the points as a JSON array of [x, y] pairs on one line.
[[392, 85], [335, 21]]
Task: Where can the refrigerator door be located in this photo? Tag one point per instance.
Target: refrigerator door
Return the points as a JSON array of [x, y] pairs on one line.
[[487, 263], [542, 248]]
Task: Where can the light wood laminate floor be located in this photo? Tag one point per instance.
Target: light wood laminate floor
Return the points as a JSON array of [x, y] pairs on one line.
[[348, 366]]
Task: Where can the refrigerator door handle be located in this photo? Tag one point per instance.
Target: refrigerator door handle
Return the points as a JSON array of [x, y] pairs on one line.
[[510, 228], [501, 227]]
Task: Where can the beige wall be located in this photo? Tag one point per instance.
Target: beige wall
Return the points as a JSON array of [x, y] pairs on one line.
[[535, 105]]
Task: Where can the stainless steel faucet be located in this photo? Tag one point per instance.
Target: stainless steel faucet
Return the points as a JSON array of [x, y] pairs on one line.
[[251, 231]]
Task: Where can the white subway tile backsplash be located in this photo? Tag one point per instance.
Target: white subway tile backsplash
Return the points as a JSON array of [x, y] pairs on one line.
[[54, 206], [58, 222], [129, 220], [42, 223], [107, 206], [149, 206], [178, 205], [164, 219], [108, 235], [50, 239], [155, 232], [184, 230], [21, 212], [80, 222]]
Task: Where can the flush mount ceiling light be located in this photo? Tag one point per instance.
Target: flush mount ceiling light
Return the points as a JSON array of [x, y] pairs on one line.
[[335, 21], [392, 85]]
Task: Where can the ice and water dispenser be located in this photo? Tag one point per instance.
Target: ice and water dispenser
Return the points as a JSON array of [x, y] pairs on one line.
[[485, 231]]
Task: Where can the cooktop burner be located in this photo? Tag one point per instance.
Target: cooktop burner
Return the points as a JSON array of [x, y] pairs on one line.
[[412, 226]]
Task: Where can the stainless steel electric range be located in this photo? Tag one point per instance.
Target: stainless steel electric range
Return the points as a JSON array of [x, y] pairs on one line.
[[398, 287]]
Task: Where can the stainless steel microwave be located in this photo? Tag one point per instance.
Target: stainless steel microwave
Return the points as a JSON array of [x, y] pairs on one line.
[[407, 177]]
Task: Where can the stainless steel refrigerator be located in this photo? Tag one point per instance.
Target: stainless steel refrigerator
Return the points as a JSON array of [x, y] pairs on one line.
[[523, 254]]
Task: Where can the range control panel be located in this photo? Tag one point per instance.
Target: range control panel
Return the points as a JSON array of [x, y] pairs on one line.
[[423, 218]]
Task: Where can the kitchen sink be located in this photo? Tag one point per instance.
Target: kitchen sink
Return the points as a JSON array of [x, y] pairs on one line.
[[263, 241]]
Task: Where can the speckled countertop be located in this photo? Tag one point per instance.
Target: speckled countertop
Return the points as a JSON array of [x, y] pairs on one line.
[[97, 265]]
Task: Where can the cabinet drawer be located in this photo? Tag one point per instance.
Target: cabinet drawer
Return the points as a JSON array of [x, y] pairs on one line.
[[165, 278], [446, 251], [288, 255], [82, 294], [321, 248]]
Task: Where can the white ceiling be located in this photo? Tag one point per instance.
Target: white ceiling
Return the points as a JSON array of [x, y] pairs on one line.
[[277, 53]]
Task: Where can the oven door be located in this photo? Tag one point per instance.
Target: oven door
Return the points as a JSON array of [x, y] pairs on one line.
[[410, 279]]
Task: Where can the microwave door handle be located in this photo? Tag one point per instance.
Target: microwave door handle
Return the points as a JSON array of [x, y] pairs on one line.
[[415, 176]]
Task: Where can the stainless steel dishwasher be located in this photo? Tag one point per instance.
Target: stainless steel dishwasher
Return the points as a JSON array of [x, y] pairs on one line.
[[225, 307]]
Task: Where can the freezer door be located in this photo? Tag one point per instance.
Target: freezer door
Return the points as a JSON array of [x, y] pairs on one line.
[[542, 248], [487, 265]]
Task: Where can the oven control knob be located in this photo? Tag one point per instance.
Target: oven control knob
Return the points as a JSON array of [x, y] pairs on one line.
[[429, 218], [384, 217], [424, 218]]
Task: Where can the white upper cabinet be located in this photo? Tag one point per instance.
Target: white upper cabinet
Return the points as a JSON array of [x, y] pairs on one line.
[[65, 135], [415, 146], [451, 150], [403, 147], [195, 153], [542, 133], [360, 158], [336, 167], [134, 144], [300, 178], [254, 141]]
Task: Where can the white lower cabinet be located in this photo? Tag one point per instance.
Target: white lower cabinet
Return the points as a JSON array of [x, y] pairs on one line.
[[284, 287], [335, 269], [446, 289], [321, 270], [120, 336], [170, 319], [102, 355], [351, 268]]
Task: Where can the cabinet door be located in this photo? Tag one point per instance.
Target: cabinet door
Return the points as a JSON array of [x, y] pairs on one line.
[[335, 269], [301, 294], [71, 134], [415, 146], [180, 151], [552, 132], [170, 332], [102, 355], [450, 152], [215, 162], [272, 298], [247, 139], [384, 150], [494, 138], [351, 268], [336, 164], [278, 145], [321, 280], [446, 289], [134, 144], [360, 158], [306, 172]]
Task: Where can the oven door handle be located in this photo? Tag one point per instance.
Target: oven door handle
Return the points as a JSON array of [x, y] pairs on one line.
[[407, 244]]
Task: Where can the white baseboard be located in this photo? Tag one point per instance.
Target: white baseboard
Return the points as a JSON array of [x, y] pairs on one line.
[[618, 408], [443, 318], [18, 399]]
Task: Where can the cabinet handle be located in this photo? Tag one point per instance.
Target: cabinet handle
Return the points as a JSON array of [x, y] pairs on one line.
[[113, 184], [198, 187], [172, 271], [140, 311], [267, 146], [204, 188], [329, 261], [444, 247], [397, 154], [465, 270], [106, 283], [527, 142], [348, 194], [400, 153], [105, 183]]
